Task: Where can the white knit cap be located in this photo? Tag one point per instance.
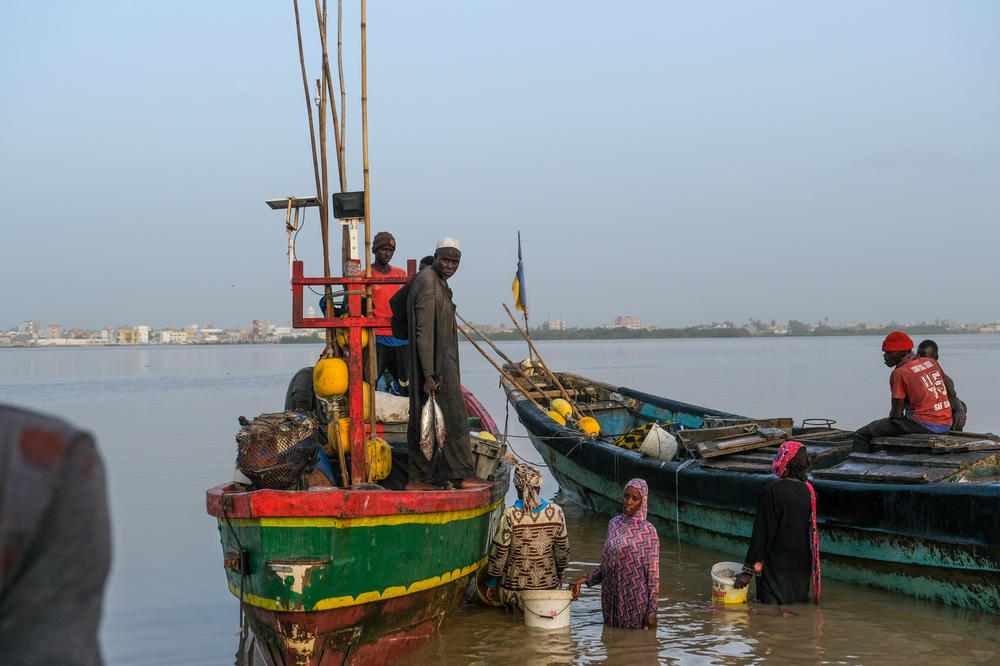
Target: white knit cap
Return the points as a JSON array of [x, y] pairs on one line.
[[449, 242]]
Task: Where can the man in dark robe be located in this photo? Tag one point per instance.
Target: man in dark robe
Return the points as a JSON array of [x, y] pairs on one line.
[[434, 371]]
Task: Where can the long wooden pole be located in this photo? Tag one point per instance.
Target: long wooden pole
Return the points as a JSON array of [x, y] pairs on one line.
[[500, 370], [343, 94], [319, 187], [500, 353], [335, 423], [368, 215], [328, 91], [531, 346]]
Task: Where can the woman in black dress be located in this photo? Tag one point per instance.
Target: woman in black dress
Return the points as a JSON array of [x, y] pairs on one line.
[[784, 546]]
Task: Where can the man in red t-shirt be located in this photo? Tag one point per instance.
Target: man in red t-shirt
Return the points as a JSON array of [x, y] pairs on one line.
[[390, 352], [919, 396]]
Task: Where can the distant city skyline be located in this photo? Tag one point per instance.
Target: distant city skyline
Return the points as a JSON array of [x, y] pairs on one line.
[[268, 328]]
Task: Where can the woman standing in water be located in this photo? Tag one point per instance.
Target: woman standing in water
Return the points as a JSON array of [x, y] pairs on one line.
[[784, 546], [531, 546], [629, 572]]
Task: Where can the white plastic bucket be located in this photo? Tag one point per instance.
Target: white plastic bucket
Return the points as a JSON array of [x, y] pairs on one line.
[[546, 609], [724, 586]]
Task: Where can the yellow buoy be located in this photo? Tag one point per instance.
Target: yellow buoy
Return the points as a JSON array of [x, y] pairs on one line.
[[330, 376], [367, 391], [556, 416], [345, 434], [343, 338], [590, 426], [561, 406], [487, 436], [379, 458]]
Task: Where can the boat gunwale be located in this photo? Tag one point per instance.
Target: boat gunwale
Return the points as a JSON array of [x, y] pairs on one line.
[[347, 502]]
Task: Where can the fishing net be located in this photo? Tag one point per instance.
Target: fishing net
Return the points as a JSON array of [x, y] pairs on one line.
[[274, 450]]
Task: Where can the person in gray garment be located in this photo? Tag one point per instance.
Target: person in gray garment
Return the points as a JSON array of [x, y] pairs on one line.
[[434, 371], [55, 541]]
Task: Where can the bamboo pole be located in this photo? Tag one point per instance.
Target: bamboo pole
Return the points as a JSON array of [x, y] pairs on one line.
[[346, 230], [321, 19], [343, 92], [345, 479], [319, 189], [531, 346], [368, 215], [503, 356], [501, 371]]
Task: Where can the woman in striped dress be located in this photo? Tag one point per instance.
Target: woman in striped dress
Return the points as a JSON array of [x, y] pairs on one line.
[[629, 572]]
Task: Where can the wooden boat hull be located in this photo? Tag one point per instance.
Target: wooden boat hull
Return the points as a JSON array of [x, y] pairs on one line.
[[934, 541], [351, 576], [335, 576]]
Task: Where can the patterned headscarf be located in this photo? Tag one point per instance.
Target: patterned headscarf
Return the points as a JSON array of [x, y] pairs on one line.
[[640, 485], [529, 482], [779, 467]]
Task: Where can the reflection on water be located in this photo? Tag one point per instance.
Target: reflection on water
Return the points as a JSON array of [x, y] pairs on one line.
[[165, 419]]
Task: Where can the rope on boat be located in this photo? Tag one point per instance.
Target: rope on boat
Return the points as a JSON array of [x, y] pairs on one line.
[[506, 422], [244, 626], [677, 499]]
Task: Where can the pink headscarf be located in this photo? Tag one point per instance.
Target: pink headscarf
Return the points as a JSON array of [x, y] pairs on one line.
[[788, 451], [640, 485]]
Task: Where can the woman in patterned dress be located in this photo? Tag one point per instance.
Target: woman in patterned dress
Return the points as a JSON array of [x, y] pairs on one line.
[[629, 572], [530, 549]]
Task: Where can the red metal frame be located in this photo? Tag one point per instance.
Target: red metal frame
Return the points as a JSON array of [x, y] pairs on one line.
[[354, 324]]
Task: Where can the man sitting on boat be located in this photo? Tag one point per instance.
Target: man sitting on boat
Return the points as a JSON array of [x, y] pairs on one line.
[[434, 371], [919, 397], [959, 410]]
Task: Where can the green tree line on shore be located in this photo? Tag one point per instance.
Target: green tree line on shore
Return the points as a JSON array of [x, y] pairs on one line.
[[726, 330]]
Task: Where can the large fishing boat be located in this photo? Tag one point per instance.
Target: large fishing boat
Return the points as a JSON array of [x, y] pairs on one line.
[[364, 570], [918, 517]]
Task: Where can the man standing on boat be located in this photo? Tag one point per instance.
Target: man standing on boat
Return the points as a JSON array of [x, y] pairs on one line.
[[434, 371], [919, 397], [390, 352], [959, 410]]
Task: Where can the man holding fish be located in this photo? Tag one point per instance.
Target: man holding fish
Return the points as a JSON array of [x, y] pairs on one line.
[[434, 373]]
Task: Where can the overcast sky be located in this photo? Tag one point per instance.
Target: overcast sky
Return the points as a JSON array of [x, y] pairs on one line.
[[681, 162]]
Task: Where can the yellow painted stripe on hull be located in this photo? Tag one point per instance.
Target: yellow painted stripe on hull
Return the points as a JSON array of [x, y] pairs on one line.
[[364, 597], [438, 518]]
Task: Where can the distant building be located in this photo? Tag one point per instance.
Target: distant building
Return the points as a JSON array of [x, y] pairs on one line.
[[55, 331], [31, 328], [628, 322], [142, 335], [263, 331], [557, 324], [169, 337]]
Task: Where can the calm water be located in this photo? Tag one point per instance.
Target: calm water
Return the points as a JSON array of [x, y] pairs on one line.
[[165, 418]]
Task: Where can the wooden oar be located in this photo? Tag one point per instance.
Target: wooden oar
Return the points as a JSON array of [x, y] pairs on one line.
[[500, 370], [506, 358], [531, 346]]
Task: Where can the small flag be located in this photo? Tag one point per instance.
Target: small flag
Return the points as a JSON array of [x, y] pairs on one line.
[[520, 298]]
